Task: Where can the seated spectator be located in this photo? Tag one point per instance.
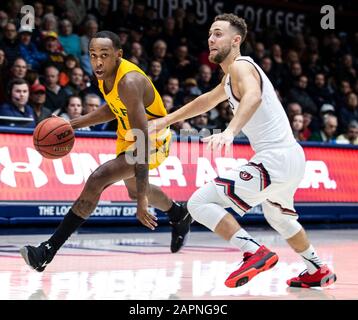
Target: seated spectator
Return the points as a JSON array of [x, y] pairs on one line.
[[9, 43], [299, 94], [351, 135], [182, 65], [159, 51], [102, 13], [297, 127], [56, 96], [295, 71], [350, 110], [32, 77], [90, 28], [316, 122], [172, 88], [328, 130], [3, 77], [307, 119], [17, 106], [190, 88], [123, 34], [71, 62], [201, 124], [155, 73], [76, 83], [266, 65], [18, 69], [346, 70], [224, 116], [37, 102], [292, 109], [205, 78], [49, 23], [69, 41], [92, 102], [77, 10], [53, 49], [168, 102], [4, 19], [28, 49], [73, 109], [320, 92], [138, 53], [259, 52], [344, 87]]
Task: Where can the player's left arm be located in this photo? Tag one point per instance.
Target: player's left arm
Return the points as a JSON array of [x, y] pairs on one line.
[[131, 90], [247, 86]]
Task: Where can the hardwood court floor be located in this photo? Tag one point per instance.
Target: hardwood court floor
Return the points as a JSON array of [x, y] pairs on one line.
[[138, 265]]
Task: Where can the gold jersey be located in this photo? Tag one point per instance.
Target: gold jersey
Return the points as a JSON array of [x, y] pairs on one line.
[[155, 110]]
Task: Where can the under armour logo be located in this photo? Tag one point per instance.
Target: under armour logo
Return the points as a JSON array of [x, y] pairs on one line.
[[48, 246], [7, 174]]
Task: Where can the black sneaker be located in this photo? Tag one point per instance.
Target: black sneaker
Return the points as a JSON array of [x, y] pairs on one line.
[[180, 231], [38, 257]]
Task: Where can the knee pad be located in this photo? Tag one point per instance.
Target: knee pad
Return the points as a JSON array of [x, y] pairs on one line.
[[287, 226], [204, 209]]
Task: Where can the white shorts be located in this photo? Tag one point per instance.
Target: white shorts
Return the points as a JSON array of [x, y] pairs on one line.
[[271, 175]]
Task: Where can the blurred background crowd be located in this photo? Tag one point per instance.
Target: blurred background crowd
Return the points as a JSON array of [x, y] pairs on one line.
[[46, 70]]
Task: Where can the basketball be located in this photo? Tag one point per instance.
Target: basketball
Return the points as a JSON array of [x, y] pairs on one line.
[[53, 138]]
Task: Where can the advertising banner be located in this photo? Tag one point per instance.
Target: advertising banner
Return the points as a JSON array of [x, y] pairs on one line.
[[331, 174]]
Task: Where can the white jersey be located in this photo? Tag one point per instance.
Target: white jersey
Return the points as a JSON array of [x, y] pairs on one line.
[[268, 127]]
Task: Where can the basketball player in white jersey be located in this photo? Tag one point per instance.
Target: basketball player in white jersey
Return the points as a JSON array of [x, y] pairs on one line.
[[272, 175]]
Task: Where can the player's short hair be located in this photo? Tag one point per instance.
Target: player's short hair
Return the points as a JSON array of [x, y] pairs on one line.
[[238, 23], [109, 35]]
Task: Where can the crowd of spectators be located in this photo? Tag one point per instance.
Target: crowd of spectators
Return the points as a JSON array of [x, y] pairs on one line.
[[47, 70]]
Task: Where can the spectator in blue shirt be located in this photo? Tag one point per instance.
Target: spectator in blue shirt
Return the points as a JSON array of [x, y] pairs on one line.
[[17, 108], [28, 49], [70, 42]]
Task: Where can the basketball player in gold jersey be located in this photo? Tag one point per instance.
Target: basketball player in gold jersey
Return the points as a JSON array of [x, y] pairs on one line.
[[131, 98]]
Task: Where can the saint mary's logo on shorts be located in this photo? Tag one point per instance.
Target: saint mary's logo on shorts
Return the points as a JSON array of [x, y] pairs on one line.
[[244, 175]]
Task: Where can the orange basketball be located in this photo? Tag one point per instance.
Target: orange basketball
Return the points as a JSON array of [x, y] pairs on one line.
[[53, 138]]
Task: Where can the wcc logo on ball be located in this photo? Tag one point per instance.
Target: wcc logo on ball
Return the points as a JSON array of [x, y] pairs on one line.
[[244, 175], [63, 134]]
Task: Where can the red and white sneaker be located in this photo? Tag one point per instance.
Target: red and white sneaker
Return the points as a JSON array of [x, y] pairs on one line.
[[323, 277], [253, 263]]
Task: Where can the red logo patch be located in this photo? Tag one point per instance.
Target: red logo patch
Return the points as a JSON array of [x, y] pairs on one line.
[[244, 175]]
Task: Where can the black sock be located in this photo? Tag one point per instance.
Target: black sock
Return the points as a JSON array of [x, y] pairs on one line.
[[176, 212], [70, 223]]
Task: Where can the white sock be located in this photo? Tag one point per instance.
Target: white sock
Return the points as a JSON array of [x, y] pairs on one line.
[[244, 241], [312, 261]]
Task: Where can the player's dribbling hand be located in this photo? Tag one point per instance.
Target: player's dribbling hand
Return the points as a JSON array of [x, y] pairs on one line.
[[144, 216], [157, 125], [217, 141]]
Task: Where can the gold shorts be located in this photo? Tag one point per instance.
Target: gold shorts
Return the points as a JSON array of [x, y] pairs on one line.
[[158, 153]]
